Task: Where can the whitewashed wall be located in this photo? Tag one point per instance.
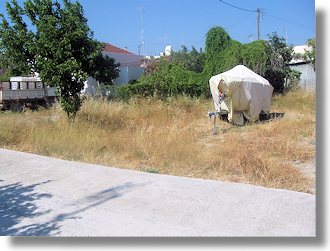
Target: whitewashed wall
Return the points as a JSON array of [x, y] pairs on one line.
[[308, 76]]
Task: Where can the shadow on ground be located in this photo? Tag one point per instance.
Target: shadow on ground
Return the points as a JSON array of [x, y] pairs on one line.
[[263, 117], [19, 202]]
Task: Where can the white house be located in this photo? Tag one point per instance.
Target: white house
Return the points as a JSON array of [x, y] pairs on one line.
[[130, 67], [298, 63]]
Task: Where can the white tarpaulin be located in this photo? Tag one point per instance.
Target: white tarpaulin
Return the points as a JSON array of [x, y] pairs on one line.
[[246, 94]]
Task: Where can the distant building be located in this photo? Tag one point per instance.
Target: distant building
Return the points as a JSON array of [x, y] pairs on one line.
[[298, 63], [130, 67], [168, 50]]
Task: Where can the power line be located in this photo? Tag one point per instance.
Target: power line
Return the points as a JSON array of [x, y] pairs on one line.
[[236, 7], [288, 21], [239, 21], [258, 11]]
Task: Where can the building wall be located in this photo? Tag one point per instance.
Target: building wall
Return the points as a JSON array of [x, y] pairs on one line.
[[129, 70], [125, 59], [135, 73], [127, 74], [308, 76], [129, 66], [90, 86], [123, 76]]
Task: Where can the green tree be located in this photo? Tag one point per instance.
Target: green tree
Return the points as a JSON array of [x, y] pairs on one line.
[[256, 56], [278, 67], [15, 42], [231, 56], [190, 60], [217, 40], [170, 78], [310, 54], [105, 69], [58, 44]]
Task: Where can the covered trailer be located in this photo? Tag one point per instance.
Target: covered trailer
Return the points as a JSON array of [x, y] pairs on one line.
[[241, 93]]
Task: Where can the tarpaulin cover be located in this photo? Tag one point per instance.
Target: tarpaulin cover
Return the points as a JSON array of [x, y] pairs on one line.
[[246, 94]]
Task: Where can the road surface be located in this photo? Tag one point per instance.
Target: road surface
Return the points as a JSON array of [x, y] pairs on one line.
[[43, 196]]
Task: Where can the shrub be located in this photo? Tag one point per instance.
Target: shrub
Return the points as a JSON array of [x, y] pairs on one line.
[[183, 75]]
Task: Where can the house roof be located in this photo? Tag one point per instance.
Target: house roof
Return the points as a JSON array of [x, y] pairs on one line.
[[299, 52], [301, 49], [114, 49]]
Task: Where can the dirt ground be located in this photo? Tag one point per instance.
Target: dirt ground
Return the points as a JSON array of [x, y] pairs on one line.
[[308, 169]]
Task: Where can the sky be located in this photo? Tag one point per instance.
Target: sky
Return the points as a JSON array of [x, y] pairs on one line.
[[157, 23]]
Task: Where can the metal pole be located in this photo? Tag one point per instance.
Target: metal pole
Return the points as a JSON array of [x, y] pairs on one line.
[[258, 12]]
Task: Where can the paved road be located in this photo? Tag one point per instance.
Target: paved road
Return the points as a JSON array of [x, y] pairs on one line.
[[42, 196]]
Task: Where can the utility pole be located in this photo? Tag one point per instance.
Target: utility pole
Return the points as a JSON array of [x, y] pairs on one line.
[[258, 12]]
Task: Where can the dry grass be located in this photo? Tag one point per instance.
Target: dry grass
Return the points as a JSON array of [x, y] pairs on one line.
[[174, 138]]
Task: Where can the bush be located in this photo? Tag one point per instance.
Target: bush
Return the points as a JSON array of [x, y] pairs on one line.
[[167, 80], [183, 75], [255, 56]]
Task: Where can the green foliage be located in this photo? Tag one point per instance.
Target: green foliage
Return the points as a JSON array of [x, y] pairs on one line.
[[5, 76], [217, 39], [280, 55], [281, 52], [192, 61], [105, 69], [255, 56], [310, 54], [293, 79], [59, 46], [15, 42], [71, 105], [166, 80], [175, 77], [230, 57]]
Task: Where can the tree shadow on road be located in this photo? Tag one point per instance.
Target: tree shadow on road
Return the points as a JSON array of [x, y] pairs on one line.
[[18, 202]]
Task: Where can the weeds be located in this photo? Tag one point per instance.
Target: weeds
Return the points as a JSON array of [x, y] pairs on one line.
[[175, 137]]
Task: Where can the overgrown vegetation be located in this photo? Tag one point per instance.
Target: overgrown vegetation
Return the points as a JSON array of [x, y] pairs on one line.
[[56, 43], [310, 54], [188, 72], [174, 137]]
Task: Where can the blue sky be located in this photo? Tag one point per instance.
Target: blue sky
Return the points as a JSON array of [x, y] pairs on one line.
[[177, 22]]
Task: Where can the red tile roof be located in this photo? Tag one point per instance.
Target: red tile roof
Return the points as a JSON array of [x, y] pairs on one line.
[[114, 49]]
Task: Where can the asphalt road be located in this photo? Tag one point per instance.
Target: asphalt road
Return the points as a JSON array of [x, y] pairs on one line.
[[43, 196]]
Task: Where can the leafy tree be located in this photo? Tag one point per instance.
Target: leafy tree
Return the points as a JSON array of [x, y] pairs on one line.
[[4, 75], [59, 46], [231, 56], [105, 69], [217, 39], [171, 78], [256, 56], [15, 42], [310, 54], [280, 56], [190, 60]]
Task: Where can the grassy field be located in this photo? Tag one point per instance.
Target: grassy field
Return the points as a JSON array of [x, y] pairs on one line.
[[174, 137]]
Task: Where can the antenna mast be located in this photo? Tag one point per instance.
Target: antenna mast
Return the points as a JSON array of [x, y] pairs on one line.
[[258, 12], [141, 37]]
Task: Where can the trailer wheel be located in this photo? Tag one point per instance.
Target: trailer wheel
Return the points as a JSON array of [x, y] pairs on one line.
[[16, 107]]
